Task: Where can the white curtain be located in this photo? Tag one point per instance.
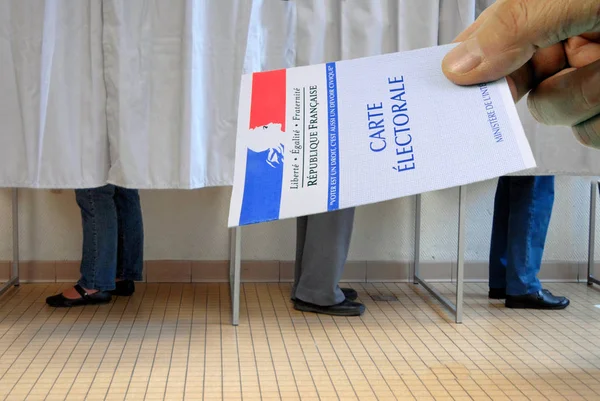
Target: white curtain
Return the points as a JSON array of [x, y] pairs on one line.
[[173, 69], [143, 93], [139, 93], [52, 94]]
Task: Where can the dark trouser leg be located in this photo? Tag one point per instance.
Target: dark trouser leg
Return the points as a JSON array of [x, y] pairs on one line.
[[531, 202], [499, 243], [322, 246], [130, 255]]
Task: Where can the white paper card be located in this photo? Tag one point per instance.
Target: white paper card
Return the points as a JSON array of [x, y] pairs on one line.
[[331, 136]]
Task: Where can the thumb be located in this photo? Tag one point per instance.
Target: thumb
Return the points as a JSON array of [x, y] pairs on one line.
[[511, 31]]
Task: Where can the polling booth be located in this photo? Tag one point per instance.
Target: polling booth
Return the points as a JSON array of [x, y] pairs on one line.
[[137, 93], [143, 93]]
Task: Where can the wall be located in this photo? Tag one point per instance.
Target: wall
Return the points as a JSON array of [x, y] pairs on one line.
[[191, 225]]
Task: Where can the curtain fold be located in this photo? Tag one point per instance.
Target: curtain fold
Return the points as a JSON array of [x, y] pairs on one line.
[[52, 96], [173, 70]]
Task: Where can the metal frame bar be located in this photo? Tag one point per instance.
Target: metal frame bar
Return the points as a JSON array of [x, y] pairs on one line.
[[417, 251], [235, 256], [14, 276], [457, 307], [594, 188]]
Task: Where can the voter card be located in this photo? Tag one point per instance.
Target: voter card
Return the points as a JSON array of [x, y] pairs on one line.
[[343, 134]]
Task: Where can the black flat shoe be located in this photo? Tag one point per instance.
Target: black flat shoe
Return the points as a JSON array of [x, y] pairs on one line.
[[60, 301], [350, 294], [124, 288], [542, 299], [497, 293], [345, 308]]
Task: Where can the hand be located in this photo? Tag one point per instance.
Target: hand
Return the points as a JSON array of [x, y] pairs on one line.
[[547, 48]]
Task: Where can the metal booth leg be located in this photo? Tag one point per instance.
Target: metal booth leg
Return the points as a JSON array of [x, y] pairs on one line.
[[14, 276], [457, 308], [594, 188], [417, 251], [235, 273]]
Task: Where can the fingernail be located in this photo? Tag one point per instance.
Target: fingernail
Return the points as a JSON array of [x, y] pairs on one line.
[[464, 57]]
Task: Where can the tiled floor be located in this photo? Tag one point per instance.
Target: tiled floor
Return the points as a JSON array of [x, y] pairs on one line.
[[175, 341]]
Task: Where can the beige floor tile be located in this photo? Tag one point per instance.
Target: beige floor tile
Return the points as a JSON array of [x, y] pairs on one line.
[[174, 342]]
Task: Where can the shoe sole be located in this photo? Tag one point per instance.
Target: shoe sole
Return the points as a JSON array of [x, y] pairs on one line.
[[494, 295], [525, 306], [103, 302], [315, 310]]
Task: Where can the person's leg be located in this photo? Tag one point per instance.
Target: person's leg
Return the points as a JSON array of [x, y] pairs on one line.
[[531, 202], [301, 228], [497, 260], [130, 254], [99, 251], [322, 249]]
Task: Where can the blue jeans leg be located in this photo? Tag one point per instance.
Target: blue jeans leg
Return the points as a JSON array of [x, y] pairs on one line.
[[113, 236], [524, 207], [499, 243], [100, 232], [130, 251]]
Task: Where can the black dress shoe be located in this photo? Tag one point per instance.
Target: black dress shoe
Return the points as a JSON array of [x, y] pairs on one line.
[[497, 293], [542, 299], [124, 288], [349, 293], [345, 308], [60, 301]]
